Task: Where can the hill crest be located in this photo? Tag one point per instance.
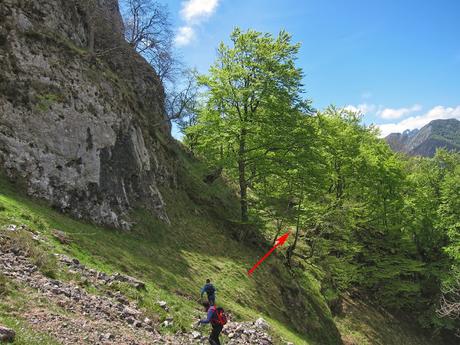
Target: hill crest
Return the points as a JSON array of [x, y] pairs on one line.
[[425, 141]]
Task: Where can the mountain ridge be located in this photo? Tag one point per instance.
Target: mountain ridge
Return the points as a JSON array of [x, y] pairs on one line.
[[441, 133]]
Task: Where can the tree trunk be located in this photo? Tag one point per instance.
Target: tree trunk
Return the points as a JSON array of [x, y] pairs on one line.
[[292, 247], [279, 226], [242, 176]]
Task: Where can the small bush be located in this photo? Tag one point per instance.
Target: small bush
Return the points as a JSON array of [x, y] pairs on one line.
[[23, 243], [44, 102], [126, 289], [40, 223], [46, 263], [3, 285]]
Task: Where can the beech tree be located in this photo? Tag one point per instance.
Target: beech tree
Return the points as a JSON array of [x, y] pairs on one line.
[[253, 93]]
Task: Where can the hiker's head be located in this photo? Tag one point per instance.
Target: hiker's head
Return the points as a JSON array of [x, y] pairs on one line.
[[208, 281], [206, 305]]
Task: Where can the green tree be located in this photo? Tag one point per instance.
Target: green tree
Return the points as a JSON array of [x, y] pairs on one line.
[[252, 101], [449, 224]]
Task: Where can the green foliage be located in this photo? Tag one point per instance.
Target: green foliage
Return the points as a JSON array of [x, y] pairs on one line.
[[449, 212], [367, 323], [252, 102], [175, 261], [4, 285], [22, 241], [367, 217], [364, 215], [44, 102]]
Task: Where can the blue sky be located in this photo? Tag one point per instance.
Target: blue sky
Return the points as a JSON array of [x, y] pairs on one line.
[[398, 61]]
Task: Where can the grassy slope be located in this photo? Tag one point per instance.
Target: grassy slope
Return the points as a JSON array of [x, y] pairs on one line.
[[367, 324], [13, 300], [175, 260]]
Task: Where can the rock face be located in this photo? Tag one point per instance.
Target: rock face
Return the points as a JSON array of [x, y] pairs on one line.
[[81, 114], [424, 142]]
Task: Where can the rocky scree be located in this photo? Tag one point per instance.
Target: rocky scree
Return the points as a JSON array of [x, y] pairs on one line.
[[106, 318]]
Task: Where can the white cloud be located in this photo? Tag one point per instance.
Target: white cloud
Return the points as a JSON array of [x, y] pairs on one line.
[[390, 113], [184, 35], [438, 112], [197, 10], [193, 12], [363, 108]]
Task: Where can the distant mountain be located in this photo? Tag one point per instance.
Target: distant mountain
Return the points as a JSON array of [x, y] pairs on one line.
[[425, 141]]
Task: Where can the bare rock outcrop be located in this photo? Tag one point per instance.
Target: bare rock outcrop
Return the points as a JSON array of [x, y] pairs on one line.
[[7, 335], [82, 120]]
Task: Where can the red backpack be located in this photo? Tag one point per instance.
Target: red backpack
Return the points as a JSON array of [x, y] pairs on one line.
[[219, 317]]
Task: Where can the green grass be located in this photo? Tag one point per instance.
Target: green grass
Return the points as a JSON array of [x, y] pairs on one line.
[[13, 301], [367, 324], [45, 101], [174, 260], [24, 334]]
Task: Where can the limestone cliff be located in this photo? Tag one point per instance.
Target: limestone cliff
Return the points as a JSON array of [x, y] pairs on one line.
[[81, 114]]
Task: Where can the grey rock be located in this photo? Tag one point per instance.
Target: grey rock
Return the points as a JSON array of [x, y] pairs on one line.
[[262, 324], [88, 135], [107, 336], [7, 334], [163, 305], [130, 280], [11, 227], [23, 22], [166, 323], [130, 312]]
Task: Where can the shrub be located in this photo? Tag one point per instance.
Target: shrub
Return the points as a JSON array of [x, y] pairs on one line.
[[3, 285], [23, 243]]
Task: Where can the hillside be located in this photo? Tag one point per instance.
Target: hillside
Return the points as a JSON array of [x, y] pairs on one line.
[[109, 227], [82, 128], [425, 141], [173, 261]]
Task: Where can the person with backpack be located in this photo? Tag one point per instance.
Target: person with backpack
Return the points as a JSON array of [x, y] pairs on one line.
[[210, 292], [217, 318]]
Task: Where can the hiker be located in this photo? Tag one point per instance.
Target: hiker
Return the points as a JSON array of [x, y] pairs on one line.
[[210, 292], [217, 318]]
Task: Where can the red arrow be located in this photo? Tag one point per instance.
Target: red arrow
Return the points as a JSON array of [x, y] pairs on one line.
[[279, 242]]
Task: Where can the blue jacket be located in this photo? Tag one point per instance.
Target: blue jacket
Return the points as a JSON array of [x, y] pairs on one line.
[[211, 311], [207, 288]]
